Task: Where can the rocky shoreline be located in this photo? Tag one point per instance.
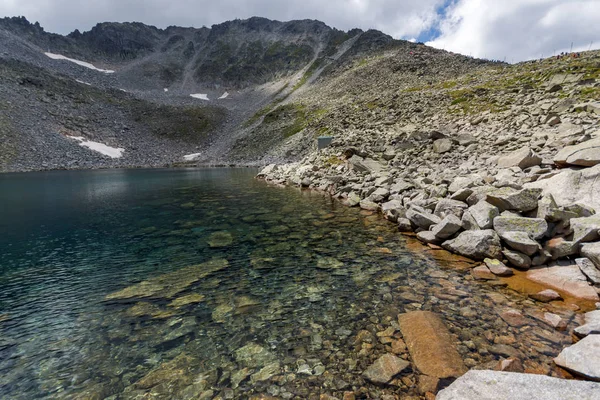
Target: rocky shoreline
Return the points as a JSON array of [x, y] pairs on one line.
[[530, 208]]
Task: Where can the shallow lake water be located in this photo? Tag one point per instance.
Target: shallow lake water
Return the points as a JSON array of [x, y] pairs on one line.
[[206, 283]]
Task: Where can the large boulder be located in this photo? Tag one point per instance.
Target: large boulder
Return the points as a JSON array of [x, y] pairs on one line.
[[431, 346], [586, 154], [442, 146], [572, 186], [392, 210], [422, 219], [592, 251], [446, 207], [487, 385], [522, 158], [586, 229], [582, 358], [514, 200], [484, 214], [476, 244], [536, 228], [564, 278], [520, 241], [447, 227], [365, 165], [268, 170]]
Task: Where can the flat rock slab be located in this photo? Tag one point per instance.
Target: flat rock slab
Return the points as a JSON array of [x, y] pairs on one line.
[[514, 200], [573, 186], [583, 358], [536, 228], [567, 279], [496, 385], [431, 345], [586, 154], [385, 368]]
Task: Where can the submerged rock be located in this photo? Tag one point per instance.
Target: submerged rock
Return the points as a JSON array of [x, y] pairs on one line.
[[385, 368], [168, 285], [564, 278], [431, 346], [220, 239], [480, 385]]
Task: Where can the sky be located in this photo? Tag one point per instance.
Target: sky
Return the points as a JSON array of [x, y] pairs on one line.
[[511, 30]]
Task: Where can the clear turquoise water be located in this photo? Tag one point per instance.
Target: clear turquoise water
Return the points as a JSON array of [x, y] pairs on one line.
[[304, 276]]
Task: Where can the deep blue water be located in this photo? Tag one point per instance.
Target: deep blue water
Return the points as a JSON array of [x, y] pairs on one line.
[[303, 275]]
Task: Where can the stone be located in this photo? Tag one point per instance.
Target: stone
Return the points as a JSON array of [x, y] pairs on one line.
[[520, 241], [428, 237], [582, 358], [385, 368], [514, 200], [468, 222], [392, 210], [497, 267], [586, 154], [220, 239], [475, 244], [523, 158], [268, 170], [482, 272], [497, 385], [592, 251], [511, 364], [401, 186], [536, 228], [589, 269], [352, 200], [442, 146], [421, 219], [379, 195], [572, 186], [447, 227], [567, 279], [465, 182], [446, 207], [586, 229], [365, 165], [253, 355], [484, 213], [169, 285], [514, 318], [430, 344], [404, 225], [546, 296], [461, 194], [591, 326], [368, 205], [559, 248], [266, 372], [517, 259], [555, 321]]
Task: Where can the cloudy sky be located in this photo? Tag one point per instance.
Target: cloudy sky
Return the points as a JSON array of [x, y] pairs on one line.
[[501, 29]]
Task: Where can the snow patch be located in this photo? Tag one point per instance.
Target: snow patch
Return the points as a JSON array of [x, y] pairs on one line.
[[112, 152], [200, 96], [192, 157], [224, 95], [166, 90], [85, 83], [82, 63]]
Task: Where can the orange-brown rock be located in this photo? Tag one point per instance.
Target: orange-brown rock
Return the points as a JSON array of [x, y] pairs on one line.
[[431, 345]]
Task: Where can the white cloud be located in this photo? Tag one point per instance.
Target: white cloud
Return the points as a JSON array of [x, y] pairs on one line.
[[519, 29]]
